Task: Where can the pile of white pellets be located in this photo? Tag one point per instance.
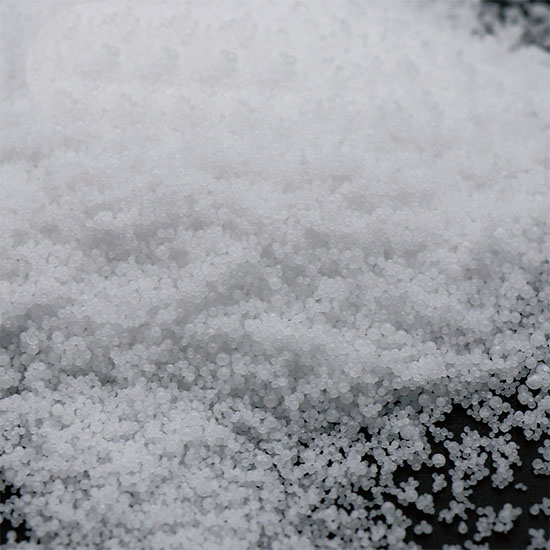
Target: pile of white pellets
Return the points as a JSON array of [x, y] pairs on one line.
[[253, 255]]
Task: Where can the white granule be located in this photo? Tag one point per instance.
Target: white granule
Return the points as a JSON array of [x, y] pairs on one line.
[[252, 254], [438, 460]]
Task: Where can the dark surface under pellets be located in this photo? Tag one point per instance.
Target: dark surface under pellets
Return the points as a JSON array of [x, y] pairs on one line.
[[518, 538]]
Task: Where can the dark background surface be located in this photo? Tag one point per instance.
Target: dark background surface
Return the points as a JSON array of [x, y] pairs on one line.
[[484, 494], [538, 486], [533, 17]]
